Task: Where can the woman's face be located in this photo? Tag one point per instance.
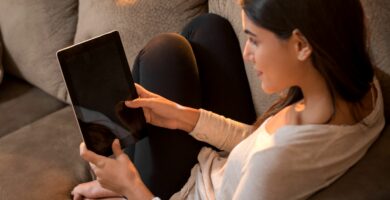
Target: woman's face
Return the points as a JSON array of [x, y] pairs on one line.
[[275, 60]]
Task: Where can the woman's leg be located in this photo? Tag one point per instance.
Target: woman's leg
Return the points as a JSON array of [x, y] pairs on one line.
[[167, 67], [224, 83], [208, 72]]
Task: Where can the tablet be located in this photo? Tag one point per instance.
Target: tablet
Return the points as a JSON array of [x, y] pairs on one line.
[[98, 79]]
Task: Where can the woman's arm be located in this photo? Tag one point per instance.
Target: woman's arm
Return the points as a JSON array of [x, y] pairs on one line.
[[219, 131], [214, 129], [162, 112]]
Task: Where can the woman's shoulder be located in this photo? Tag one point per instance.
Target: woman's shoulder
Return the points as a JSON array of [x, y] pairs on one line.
[[348, 116]]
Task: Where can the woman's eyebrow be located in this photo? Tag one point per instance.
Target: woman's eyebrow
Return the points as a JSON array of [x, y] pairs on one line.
[[249, 33]]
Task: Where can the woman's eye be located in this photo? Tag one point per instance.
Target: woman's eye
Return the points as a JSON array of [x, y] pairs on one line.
[[254, 42]]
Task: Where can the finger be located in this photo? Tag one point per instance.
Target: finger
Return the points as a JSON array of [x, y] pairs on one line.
[[93, 167], [116, 148], [140, 102], [91, 156], [144, 93], [77, 190], [77, 197], [132, 104]]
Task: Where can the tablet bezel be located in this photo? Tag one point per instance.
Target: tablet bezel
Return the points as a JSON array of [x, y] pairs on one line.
[[64, 54]]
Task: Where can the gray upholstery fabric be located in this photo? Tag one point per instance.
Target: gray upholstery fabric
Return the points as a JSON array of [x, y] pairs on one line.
[[32, 32], [136, 21], [41, 160], [231, 10], [21, 104]]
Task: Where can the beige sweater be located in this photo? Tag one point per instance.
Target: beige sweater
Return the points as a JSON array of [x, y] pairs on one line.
[[292, 163]]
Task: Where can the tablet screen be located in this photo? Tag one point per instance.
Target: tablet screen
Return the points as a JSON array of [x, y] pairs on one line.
[[98, 79]]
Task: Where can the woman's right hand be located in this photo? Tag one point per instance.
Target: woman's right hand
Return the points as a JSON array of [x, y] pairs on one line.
[[162, 112]]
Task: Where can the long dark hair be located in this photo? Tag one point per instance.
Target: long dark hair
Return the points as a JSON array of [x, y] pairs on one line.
[[336, 31]]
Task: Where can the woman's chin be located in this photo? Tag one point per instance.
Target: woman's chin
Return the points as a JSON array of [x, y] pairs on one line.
[[265, 89], [268, 90]]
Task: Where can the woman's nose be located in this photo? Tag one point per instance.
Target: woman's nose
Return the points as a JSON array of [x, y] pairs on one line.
[[247, 54]]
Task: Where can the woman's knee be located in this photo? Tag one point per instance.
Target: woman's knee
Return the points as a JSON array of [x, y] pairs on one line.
[[209, 23], [166, 64], [165, 44], [163, 53]]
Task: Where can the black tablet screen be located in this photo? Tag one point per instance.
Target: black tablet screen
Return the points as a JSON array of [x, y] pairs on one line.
[[98, 80]]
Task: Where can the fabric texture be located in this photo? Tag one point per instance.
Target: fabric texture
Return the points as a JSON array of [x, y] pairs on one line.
[[137, 21], [231, 10], [42, 160], [32, 31], [22, 103], [292, 163]]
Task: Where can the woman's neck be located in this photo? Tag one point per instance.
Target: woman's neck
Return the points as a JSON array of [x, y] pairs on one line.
[[317, 105]]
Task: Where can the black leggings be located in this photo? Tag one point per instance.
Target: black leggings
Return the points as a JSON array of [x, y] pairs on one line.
[[201, 68]]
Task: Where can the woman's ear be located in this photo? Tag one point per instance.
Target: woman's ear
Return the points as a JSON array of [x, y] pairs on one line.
[[302, 46]]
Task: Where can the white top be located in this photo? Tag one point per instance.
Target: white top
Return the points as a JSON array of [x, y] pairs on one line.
[[292, 163]]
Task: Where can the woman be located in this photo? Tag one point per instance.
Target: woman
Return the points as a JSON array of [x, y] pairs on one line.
[[329, 113]]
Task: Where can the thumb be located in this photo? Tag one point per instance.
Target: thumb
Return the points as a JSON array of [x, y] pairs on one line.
[[89, 155], [116, 148]]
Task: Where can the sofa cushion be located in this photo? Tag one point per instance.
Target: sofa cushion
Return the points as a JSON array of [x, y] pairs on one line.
[[21, 104], [41, 160], [137, 21], [231, 10], [32, 31]]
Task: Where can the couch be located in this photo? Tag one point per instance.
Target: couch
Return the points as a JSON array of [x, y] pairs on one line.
[[39, 140]]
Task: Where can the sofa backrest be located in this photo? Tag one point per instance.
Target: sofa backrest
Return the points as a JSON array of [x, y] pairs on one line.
[[32, 31], [137, 21]]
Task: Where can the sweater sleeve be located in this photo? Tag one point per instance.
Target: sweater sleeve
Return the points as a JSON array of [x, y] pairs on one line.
[[219, 131]]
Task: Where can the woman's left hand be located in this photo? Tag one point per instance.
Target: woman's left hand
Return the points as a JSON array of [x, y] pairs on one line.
[[116, 174]]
